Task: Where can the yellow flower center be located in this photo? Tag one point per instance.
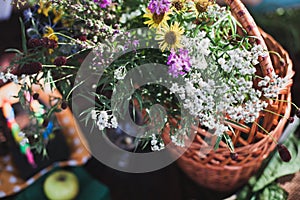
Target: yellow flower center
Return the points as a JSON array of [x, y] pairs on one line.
[[158, 18], [170, 38]]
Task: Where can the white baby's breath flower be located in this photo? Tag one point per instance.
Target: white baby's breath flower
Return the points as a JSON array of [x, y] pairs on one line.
[[155, 148], [104, 120], [114, 122], [101, 125], [120, 73], [94, 114], [221, 61]]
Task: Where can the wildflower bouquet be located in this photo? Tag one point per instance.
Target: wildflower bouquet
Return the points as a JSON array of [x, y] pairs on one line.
[[55, 39], [207, 65]]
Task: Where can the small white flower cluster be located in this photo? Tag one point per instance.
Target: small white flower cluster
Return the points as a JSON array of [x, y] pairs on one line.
[[179, 136], [223, 88], [115, 46], [201, 98], [9, 77], [198, 53], [271, 87], [239, 61], [156, 145], [247, 112], [216, 12], [120, 73], [125, 17], [103, 119], [220, 129], [24, 139], [256, 51]]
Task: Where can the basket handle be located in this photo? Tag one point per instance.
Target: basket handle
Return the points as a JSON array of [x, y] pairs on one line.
[[241, 13]]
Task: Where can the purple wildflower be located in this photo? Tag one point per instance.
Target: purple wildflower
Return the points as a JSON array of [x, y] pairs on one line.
[[135, 43], [159, 6], [28, 15], [103, 3], [179, 64]]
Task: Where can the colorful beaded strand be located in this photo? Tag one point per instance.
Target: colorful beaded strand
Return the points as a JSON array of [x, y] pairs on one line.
[[9, 114]]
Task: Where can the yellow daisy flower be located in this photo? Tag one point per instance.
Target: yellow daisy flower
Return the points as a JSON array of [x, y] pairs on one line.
[[170, 36], [44, 8], [179, 5], [155, 20]]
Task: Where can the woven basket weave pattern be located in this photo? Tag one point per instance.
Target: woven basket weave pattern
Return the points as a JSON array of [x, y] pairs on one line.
[[215, 169]]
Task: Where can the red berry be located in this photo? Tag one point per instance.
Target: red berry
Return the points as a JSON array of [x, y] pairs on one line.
[[282, 62], [35, 96], [291, 119], [234, 155], [59, 61], [82, 38], [31, 68], [34, 42], [64, 105], [284, 153], [49, 43]]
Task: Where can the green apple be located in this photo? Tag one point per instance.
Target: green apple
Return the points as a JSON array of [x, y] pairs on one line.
[[61, 185]]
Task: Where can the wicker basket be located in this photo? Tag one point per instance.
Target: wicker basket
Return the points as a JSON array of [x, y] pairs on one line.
[[215, 169]]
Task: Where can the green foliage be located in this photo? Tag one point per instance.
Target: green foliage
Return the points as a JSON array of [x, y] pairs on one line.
[[264, 186], [283, 25]]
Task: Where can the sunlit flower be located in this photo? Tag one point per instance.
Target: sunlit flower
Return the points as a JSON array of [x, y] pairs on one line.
[[155, 20], [170, 36], [179, 64], [49, 33], [44, 8]]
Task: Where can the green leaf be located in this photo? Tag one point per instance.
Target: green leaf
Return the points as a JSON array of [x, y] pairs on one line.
[[273, 192], [277, 168], [219, 139], [229, 142], [24, 46], [14, 51]]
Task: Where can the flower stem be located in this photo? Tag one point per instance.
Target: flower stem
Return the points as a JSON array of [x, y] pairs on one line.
[[286, 101], [269, 135], [70, 38], [78, 52], [63, 78], [63, 66], [275, 53], [274, 113]]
